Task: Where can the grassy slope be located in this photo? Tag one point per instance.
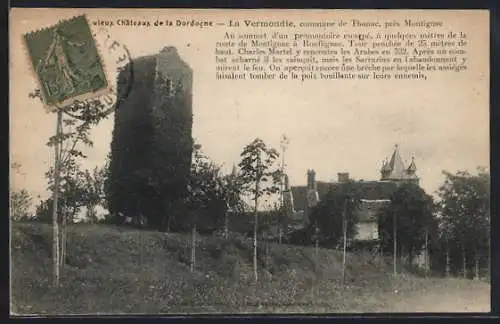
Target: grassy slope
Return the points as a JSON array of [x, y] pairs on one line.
[[119, 270]]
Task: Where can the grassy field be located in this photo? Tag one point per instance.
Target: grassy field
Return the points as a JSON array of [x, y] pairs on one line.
[[123, 271]]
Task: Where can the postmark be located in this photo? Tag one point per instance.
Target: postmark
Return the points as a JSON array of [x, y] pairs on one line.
[[67, 63], [120, 68]]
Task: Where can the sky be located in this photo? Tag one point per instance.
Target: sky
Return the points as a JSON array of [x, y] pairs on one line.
[[333, 126]]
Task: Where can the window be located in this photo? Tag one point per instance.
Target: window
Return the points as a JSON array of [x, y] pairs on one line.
[[170, 88], [375, 231]]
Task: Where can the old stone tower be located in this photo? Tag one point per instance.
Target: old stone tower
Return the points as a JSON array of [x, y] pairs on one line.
[[152, 143]]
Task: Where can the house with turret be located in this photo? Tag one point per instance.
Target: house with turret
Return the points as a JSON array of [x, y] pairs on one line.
[[373, 194]]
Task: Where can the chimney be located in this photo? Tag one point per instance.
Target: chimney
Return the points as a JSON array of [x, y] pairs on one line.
[[343, 177], [311, 179]]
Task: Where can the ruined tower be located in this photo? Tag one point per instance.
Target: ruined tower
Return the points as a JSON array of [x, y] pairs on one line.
[[152, 143]]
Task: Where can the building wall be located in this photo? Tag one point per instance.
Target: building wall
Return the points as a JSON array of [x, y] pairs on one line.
[[367, 231], [367, 213]]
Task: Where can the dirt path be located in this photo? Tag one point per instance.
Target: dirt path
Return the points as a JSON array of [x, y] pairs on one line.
[[451, 296]]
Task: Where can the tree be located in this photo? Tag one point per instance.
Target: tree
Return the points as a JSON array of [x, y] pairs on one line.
[[328, 214], [204, 195], [74, 186], [94, 190], [71, 188], [79, 117], [106, 183], [283, 209], [43, 211], [20, 203], [260, 177], [411, 211], [231, 193], [335, 218], [465, 208], [442, 241], [20, 199], [281, 215]]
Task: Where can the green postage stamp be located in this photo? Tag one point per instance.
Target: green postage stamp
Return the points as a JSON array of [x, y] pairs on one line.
[[66, 61]]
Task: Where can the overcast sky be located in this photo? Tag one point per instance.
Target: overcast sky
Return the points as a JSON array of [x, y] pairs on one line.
[[334, 126]]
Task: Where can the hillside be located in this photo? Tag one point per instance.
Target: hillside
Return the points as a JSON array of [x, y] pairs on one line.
[[123, 270]]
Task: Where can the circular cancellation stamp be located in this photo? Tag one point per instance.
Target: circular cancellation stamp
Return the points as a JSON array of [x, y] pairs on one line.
[[72, 63], [120, 69]]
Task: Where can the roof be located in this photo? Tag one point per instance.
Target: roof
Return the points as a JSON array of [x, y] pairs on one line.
[[376, 191], [300, 194], [412, 168], [369, 209], [396, 166]]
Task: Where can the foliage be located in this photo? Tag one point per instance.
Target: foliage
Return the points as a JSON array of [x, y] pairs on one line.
[[464, 209], [43, 211], [75, 186], [327, 215], [413, 209], [282, 216], [106, 181], [20, 199], [232, 191], [79, 189], [210, 195], [259, 175], [93, 189], [20, 203], [79, 118], [71, 189], [205, 195]]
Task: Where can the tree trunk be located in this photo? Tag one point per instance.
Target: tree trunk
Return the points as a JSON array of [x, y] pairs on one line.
[[410, 257], [64, 235], [316, 243], [317, 267], [226, 225], [255, 227], [464, 264], [168, 223], [267, 247], [280, 233], [141, 247], [316, 252], [489, 254], [447, 262], [426, 255], [193, 247], [55, 221], [476, 266], [344, 231], [395, 245]]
